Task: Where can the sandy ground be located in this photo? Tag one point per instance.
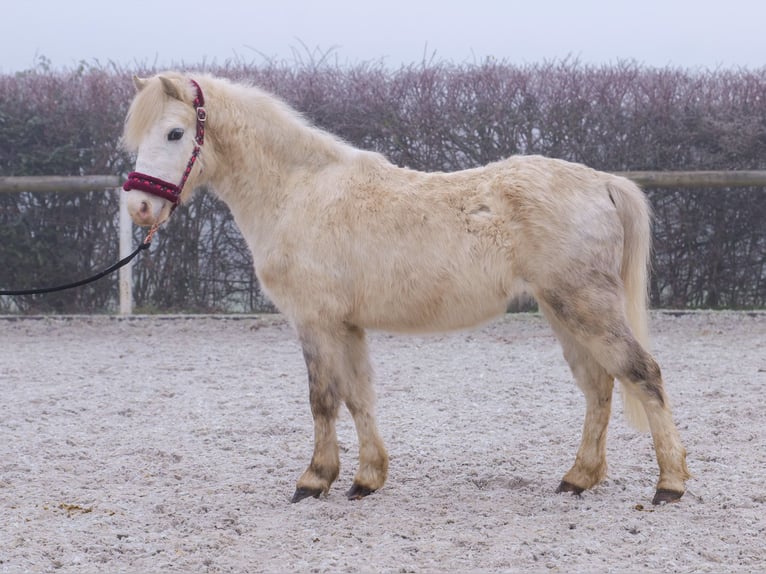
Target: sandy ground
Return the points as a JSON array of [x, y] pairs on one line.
[[173, 445]]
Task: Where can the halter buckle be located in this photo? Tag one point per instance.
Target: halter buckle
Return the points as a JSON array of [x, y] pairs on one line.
[[201, 114]]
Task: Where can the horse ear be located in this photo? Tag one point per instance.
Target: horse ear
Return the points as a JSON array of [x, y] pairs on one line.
[[139, 83], [171, 88]]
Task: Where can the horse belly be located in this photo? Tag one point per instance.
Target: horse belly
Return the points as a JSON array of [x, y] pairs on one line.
[[433, 304]]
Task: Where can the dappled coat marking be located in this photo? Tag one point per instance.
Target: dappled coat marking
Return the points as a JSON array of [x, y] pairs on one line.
[[344, 241]]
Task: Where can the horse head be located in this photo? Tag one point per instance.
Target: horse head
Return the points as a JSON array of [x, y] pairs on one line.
[[165, 127]]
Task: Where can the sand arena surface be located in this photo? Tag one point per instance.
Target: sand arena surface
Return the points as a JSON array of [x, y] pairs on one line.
[[162, 444]]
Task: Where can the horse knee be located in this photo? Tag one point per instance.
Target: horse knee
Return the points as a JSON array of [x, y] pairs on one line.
[[323, 392]]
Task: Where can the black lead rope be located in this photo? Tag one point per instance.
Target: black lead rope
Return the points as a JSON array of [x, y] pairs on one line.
[[121, 263]]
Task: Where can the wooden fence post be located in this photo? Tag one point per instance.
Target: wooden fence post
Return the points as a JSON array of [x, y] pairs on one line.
[[126, 247]]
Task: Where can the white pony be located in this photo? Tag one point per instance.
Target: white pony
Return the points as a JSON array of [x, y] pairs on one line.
[[344, 241]]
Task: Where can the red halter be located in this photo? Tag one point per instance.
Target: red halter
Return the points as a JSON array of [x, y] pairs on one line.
[[160, 187]]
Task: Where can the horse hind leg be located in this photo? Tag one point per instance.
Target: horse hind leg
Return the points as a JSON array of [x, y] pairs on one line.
[[590, 465], [595, 318], [640, 374]]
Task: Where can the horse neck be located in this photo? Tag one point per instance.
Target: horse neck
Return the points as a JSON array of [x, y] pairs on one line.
[[272, 148]]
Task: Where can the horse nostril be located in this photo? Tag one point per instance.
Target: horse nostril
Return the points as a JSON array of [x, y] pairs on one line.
[[143, 209]]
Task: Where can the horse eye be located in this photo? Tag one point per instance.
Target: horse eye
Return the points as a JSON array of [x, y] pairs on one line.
[[175, 134]]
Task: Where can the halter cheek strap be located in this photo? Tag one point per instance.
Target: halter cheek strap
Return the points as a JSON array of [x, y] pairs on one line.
[[164, 189]]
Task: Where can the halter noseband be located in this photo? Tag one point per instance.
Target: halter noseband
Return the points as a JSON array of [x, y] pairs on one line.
[[160, 187]]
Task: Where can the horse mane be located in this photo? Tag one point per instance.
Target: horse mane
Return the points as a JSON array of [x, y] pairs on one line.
[[276, 128], [233, 105]]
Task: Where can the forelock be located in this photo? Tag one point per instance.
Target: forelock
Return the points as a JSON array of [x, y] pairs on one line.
[[145, 111]]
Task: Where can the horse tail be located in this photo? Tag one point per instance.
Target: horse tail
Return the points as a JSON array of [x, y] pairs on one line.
[[635, 215]]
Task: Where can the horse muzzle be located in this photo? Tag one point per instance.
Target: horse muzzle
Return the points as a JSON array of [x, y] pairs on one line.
[[148, 198], [146, 210]]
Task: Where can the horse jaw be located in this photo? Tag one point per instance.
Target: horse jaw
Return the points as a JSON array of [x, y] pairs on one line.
[[146, 210]]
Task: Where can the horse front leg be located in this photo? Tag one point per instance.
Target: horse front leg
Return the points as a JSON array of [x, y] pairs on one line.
[[359, 396], [324, 398], [339, 370]]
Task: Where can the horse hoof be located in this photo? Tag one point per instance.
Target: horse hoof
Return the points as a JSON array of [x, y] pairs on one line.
[[357, 492], [301, 493], [565, 486], [664, 496]]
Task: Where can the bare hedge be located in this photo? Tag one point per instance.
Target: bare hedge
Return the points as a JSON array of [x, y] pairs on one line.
[[710, 245]]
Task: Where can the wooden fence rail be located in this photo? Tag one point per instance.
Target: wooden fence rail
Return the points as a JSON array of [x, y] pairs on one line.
[[666, 179], [52, 183], [697, 179], [59, 183]]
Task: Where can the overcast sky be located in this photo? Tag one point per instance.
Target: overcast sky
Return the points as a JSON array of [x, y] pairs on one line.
[[686, 33]]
